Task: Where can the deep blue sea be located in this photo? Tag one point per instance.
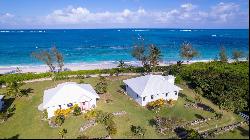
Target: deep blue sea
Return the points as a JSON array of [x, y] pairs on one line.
[[96, 45]]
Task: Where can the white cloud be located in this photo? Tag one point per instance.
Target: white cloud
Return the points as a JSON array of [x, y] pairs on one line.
[[188, 7], [223, 12], [83, 15], [186, 15]]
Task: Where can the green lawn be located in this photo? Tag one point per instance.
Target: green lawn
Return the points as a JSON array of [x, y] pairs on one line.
[[27, 123]]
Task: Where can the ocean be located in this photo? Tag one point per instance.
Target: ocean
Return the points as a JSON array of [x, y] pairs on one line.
[[111, 45]]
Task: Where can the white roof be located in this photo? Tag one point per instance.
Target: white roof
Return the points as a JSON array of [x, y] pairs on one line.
[[151, 84], [68, 92]]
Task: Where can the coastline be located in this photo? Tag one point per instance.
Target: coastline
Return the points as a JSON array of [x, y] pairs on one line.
[[83, 66], [90, 66]]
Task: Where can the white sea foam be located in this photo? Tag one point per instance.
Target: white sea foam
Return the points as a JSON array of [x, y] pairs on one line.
[[213, 35], [116, 47], [185, 30], [118, 30], [141, 30], [4, 31]]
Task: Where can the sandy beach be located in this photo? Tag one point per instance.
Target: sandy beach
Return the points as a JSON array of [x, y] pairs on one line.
[[82, 66]]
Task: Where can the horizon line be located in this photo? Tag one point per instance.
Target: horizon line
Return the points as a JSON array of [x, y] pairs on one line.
[[116, 28]]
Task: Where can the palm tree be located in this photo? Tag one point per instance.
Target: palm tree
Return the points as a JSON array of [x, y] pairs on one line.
[[187, 51], [121, 64]]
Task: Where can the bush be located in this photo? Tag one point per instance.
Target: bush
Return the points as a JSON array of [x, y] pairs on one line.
[[101, 86], [155, 104], [76, 110], [64, 112], [138, 130], [105, 118], [59, 120], [171, 102], [111, 128]]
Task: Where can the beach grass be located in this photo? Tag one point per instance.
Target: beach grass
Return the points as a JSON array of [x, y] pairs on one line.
[[27, 123]]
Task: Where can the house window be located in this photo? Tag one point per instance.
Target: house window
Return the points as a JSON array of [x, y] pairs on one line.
[[60, 106], [175, 92], [69, 105], [83, 103], [137, 95], [166, 94], [152, 97], [144, 98]]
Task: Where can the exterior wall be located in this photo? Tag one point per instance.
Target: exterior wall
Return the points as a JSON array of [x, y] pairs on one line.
[[156, 96], [1, 104], [88, 105], [133, 95]]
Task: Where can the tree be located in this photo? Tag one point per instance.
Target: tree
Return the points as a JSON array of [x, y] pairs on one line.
[[49, 57], [59, 58], [101, 86], [154, 56], [139, 53], [45, 57], [13, 89], [63, 132], [187, 51], [237, 54], [223, 55]]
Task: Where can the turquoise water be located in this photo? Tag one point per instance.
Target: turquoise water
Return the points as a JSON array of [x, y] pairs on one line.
[[95, 45]]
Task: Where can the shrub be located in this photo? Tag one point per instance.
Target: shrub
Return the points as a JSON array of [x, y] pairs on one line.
[[193, 134], [171, 102], [76, 110], [138, 130], [155, 104], [59, 120], [105, 118], [64, 112], [111, 128], [63, 132], [101, 86]]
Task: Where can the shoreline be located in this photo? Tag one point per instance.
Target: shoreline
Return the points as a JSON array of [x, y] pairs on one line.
[[87, 66]]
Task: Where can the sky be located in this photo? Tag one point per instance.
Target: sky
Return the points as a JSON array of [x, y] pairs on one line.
[[84, 14]]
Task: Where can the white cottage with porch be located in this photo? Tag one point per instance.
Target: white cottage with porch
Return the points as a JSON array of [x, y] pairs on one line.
[[148, 88], [66, 95]]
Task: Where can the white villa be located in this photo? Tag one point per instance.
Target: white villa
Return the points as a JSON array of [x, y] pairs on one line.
[[66, 95], [1, 102], [145, 89]]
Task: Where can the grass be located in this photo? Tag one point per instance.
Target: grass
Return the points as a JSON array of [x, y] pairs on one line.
[[27, 123]]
